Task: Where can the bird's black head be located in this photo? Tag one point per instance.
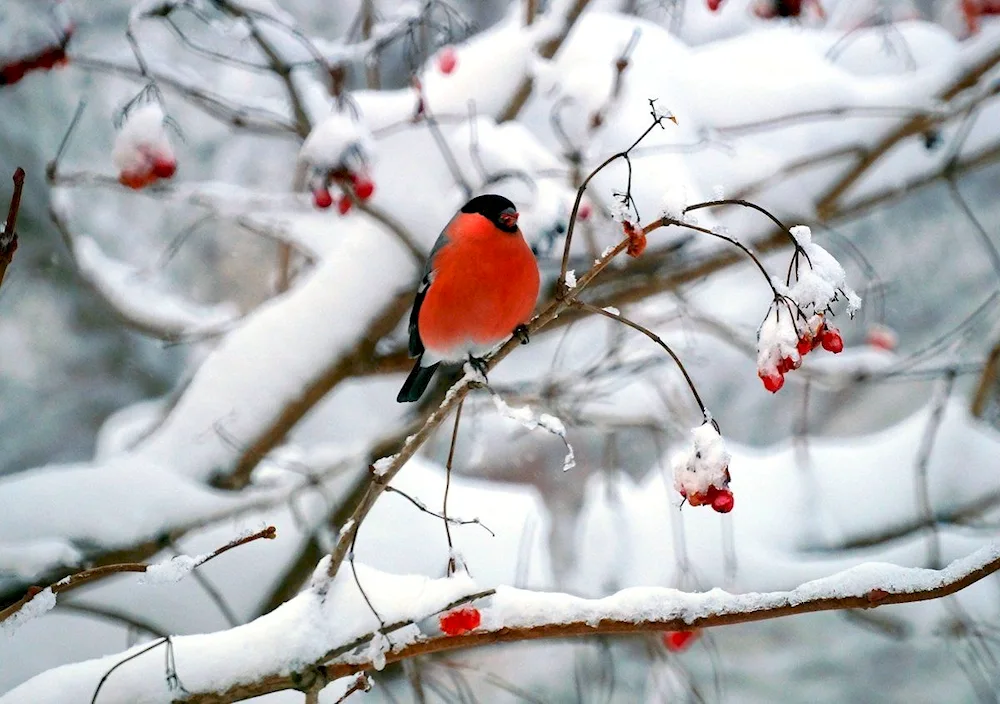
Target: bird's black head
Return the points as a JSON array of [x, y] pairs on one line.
[[497, 209]]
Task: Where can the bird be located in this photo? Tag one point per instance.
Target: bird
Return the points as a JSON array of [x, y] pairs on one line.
[[479, 286]]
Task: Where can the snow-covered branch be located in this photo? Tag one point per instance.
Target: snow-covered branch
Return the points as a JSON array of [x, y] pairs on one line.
[[334, 635]]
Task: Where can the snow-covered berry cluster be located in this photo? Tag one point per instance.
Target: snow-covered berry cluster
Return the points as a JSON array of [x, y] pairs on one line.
[[142, 152], [701, 474], [796, 322], [340, 150]]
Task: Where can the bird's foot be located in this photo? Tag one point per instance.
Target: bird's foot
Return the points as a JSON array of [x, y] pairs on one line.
[[521, 333], [479, 364]]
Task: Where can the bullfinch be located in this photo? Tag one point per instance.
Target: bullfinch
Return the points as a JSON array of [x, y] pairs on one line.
[[480, 285]]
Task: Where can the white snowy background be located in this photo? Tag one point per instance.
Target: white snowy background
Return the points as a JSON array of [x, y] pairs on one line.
[[144, 351]]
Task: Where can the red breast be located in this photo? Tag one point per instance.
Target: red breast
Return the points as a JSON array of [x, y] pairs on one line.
[[485, 283]]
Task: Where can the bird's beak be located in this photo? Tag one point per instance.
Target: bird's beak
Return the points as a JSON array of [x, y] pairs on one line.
[[509, 217]]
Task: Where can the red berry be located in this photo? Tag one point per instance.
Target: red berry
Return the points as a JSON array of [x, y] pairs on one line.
[[772, 382], [447, 60], [164, 168], [804, 346], [459, 621], [584, 212], [322, 198], [675, 641], [882, 338], [364, 188], [344, 204], [713, 5], [136, 179], [723, 501], [832, 341], [12, 73]]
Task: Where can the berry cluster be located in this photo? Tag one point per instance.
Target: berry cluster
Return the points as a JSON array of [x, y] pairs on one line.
[[142, 151], [701, 474], [817, 333], [354, 186], [44, 60], [459, 621], [721, 500]]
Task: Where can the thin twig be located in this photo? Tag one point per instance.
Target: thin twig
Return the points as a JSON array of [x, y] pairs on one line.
[[655, 338], [452, 567], [8, 237]]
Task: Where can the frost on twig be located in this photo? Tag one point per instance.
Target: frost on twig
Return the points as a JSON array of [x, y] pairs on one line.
[[527, 418]]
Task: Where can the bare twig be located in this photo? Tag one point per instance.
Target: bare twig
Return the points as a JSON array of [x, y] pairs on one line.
[[655, 338], [452, 567], [8, 236]]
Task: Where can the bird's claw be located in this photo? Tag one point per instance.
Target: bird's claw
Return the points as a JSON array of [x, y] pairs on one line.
[[479, 364], [521, 332]]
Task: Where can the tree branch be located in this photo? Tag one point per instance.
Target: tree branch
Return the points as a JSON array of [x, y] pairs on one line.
[[8, 236]]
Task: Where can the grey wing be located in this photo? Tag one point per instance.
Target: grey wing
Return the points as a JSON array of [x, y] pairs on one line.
[[416, 345]]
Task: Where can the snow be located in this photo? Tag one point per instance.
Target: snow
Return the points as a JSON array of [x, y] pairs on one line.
[[338, 142], [26, 560], [41, 603], [820, 278], [143, 302], [704, 464], [173, 570], [142, 137], [570, 278]]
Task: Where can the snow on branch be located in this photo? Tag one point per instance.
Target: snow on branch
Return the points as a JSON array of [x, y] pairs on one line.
[[143, 303], [335, 635]]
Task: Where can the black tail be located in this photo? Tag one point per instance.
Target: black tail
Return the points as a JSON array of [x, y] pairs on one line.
[[416, 383]]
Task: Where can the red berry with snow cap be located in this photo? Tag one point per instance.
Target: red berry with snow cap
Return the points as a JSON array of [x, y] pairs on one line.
[[459, 621]]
